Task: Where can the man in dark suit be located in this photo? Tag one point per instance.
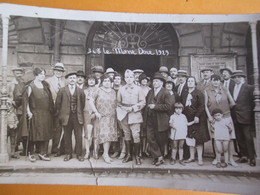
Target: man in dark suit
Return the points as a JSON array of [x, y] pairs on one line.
[[242, 115], [206, 79], [156, 118], [182, 76], [228, 83], [69, 107]]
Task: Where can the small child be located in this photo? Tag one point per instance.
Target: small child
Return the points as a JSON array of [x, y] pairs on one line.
[[12, 122], [222, 128], [179, 127]]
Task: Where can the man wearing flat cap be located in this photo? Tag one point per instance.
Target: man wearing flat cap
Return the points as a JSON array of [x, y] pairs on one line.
[[137, 73], [243, 117], [156, 118], [182, 76], [69, 110], [131, 101], [98, 71], [15, 90], [56, 82], [206, 76], [228, 83]]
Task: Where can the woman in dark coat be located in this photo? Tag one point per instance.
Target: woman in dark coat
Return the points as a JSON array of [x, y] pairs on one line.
[[194, 110], [38, 108]]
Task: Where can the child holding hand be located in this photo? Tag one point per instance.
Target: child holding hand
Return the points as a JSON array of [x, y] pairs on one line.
[[179, 127], [222, 128]]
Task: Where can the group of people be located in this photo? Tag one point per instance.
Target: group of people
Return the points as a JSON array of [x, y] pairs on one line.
[[132, 116]]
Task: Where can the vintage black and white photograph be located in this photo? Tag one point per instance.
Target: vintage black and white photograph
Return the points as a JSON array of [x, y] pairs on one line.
[[122, 99]]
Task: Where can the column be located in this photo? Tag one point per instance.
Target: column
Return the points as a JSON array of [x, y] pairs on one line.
[[57, 40], [4, 158], [256, 90]]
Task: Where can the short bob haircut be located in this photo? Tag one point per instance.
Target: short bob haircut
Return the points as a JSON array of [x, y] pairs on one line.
[[37, 71], [91, 76], [215, 77], [178, 105], [189, 77], [105, 76], [118, 75]]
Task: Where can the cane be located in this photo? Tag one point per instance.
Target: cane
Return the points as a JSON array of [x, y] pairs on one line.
[[61, 136], [27, 141]]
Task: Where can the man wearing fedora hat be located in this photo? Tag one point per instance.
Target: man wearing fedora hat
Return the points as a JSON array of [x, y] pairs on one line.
[[206, 76], [69, 107], [156, 118], [81, 79], [228, 83], [164, 71], [56, 82], [243, 117]]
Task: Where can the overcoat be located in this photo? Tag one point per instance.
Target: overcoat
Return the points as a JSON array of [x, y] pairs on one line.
[[24, 125], [62, 105], [242, 112], [161, 110]]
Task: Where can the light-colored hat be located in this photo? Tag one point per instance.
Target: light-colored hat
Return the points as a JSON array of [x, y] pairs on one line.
[[138, 71], [128, 72], [182, 73], [18, 69], [206, 69], [110, 70], [238, 73], [163, 69], [59, 66]]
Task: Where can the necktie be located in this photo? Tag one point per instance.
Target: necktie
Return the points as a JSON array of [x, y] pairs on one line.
[[179, 90], [236, 91], [59, 83], [225, 84]]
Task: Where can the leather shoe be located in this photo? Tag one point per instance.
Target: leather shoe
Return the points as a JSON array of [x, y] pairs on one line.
[[252, 162], [80, 158], [159, 162], [31, 157], [44, 157], [127, 158], [154, 161], [172, 161], [189, 160], [57, 154], [242, 160], [138, 160], [67, 157]]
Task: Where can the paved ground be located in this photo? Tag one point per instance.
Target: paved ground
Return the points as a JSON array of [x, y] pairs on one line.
[[241, 184]]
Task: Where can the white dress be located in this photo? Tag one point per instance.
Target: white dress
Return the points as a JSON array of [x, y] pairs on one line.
[[180, 123]]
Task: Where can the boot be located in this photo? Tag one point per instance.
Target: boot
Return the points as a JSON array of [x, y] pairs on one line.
[[128, 152], [137, 150], [24, 143]]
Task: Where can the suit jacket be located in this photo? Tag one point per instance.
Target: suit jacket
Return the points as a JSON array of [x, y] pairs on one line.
[[162, 103], [201, 86], [185, 87], [231, 85], [54, 87], [62, 105], [242, 112]]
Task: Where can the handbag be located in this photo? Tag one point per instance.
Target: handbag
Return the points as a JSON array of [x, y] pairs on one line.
[[190, 141]]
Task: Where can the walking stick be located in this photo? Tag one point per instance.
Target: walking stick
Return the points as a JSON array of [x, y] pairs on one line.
[[61, 136], [27, 141]]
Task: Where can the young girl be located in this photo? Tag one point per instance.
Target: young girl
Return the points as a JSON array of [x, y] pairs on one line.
[[12, 122], [179, 127], [222, 128]]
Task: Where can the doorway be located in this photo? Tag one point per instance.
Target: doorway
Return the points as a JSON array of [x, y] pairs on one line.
[[149, 64]]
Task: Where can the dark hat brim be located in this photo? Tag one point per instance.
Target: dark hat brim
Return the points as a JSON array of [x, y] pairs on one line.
[[227, 69], [240, 74], [59, 69], [69, 74]]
